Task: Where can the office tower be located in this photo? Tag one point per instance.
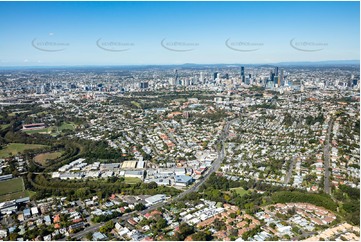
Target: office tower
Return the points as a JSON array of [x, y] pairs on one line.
[[201, 79], [276, 81], [349, 83], [171, 81], [242, 74], [281, 77], [176, 77], [285, 83], [276, 71], [272, 77], [354, 82], [215, 75], [279, 82], [42, 89], [144, 85]]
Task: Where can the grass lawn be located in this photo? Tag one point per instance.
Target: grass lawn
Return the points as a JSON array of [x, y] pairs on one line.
[[14, 113], [132, 180], [41, 158], [36, 131], [64, 126], [42, 112], [136, 104], [240, 191], [180, 100], [12, 185], [4, 126], [17, 195], [15, 148], [53, 130]]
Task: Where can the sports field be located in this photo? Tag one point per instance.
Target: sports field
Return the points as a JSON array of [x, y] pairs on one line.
[[16, 195], [53, 130], [12, 185], [42, 158], [13, 189]]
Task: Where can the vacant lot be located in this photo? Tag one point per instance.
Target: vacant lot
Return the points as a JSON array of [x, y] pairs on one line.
[[16, 195], [64, 126], [132, 180], [16, 148], [42, 158], [239, 190], [12, 185]]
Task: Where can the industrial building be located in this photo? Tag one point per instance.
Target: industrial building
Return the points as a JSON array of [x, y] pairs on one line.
[[129, 164], [155, 199]]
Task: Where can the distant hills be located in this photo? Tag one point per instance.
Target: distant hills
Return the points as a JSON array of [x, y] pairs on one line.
[[293, 63], [330, 62], [191, 65]]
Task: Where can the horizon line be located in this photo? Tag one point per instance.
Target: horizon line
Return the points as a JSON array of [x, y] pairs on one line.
[[183, 64]]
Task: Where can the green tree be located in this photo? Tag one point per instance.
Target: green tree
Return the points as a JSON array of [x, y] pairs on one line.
[[139, 207], [199, 236], [89, 236], [108, 226], [184, 231], [161, 223], [81, 193]]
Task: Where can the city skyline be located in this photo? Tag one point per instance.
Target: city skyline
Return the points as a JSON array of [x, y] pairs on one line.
[[173, 33]]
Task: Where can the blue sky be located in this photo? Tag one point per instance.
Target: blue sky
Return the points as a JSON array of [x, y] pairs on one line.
[[329, 29]]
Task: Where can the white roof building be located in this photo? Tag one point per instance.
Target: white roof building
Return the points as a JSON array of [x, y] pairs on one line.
[[156, 199], [34, 211]]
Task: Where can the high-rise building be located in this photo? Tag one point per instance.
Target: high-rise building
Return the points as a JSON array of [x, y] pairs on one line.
[[276, 81], [354, 82], [144, 85], [272, 77], [281, 77], [276, 71], [215, 75], [201, 79], [176, 77], [242, 74]]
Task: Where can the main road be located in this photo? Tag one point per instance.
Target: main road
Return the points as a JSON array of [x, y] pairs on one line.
[[326, 154], [290, 169], [215, 166]]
